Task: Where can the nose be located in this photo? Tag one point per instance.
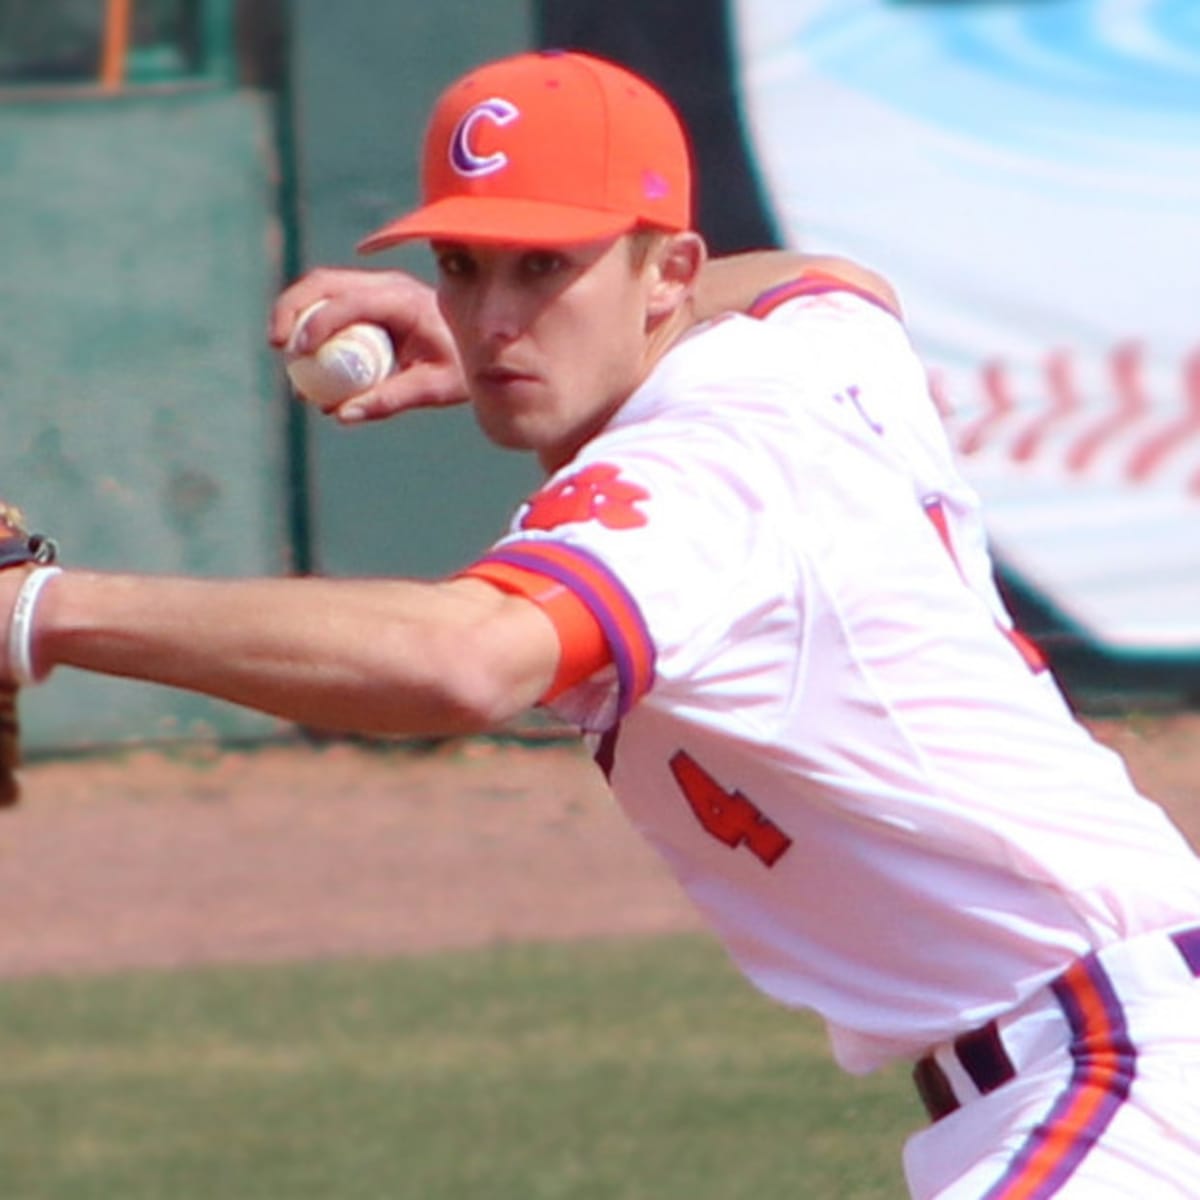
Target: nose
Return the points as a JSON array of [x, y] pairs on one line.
[[497, 312]]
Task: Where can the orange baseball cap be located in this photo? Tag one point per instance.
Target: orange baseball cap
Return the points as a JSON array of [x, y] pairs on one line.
[[546, 149]]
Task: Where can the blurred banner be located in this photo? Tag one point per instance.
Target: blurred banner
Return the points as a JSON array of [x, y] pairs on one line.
[[1028, 176]]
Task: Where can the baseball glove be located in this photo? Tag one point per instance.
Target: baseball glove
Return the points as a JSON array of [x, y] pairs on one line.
[[18, 547]]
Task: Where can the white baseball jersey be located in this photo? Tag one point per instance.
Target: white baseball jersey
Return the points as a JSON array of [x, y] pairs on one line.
[[813, 704]]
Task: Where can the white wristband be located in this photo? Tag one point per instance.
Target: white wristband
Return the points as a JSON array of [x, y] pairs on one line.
[[20, 628]]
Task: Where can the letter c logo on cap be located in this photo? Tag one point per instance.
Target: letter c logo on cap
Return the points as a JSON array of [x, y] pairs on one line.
[[462, 158]]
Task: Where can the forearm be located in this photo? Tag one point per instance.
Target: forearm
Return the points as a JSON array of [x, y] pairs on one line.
[[370, 656], [734, 282]]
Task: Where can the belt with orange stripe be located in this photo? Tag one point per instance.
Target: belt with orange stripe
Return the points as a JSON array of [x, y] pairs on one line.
[[1093, 1012]]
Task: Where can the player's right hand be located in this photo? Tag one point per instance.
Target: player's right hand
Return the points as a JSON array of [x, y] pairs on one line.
[[427, 374]]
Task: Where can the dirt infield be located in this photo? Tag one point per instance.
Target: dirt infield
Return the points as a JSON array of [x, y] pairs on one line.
[[150, 860]]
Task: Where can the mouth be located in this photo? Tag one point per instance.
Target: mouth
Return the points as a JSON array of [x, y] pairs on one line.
[[496, 374], [501, 371]]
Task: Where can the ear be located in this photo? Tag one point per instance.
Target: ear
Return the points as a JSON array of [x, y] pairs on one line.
[[673, 270]]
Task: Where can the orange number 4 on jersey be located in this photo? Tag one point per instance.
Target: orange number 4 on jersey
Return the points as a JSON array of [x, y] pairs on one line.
[[728, 816]]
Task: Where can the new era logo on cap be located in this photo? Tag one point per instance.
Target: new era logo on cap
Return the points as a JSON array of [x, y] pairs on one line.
[[548, 149], [655, 186]]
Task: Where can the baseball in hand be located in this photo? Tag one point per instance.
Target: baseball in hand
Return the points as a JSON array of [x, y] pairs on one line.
[[354, 360]]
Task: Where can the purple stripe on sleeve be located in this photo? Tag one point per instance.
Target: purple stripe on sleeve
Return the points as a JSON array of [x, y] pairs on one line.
[[818, 284], [1188, 943], [624, 656]]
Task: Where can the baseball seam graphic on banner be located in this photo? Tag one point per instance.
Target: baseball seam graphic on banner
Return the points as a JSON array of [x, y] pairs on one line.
[[1029, 178]]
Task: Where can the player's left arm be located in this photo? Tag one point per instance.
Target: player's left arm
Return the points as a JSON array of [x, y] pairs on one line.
[[739, 282]]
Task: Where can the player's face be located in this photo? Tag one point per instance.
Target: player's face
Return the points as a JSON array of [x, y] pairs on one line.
[[552, 341]]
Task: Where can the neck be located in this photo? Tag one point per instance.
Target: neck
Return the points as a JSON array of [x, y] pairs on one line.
[[659, 341], [662, 338]]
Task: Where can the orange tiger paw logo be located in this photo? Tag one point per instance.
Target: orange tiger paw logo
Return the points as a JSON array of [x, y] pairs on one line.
[[596, 493]]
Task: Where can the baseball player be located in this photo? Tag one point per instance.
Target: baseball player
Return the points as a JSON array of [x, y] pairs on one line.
[[756, 582]]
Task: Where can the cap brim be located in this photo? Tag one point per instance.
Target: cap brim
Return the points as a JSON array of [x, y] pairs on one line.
[[499, 220]]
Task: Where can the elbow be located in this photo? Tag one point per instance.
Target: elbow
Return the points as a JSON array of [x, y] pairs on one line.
[[485, 709], [474, 688], [499, 666], [484, 661], [465, 705], [484, 695]]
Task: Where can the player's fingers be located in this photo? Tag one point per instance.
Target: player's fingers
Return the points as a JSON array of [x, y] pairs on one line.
[[319, 284], [423, 385], [393, 299]]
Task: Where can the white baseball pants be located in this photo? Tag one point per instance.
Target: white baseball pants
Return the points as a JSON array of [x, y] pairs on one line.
[[1090, 1091]]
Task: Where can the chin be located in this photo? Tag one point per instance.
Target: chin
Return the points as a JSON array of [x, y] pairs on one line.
[[554, 442], [507, 433]]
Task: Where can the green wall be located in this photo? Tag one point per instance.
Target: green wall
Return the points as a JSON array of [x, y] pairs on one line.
[[145, 422], [423, 494], [142, 413]]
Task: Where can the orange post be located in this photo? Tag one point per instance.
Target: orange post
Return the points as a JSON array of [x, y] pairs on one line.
[[118, 21]]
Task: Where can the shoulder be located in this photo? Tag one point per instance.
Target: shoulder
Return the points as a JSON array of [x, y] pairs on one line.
[[739, 282], [828, 275], [809, 338], [713, 371]]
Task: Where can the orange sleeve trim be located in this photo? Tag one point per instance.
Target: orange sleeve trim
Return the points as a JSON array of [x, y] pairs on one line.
[[583, 646], [627, 639]]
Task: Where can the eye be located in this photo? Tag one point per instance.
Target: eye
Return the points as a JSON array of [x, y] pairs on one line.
[[539, 263], [454, 262]]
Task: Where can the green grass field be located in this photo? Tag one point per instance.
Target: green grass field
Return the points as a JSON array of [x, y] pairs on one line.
[[643, 1069]]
